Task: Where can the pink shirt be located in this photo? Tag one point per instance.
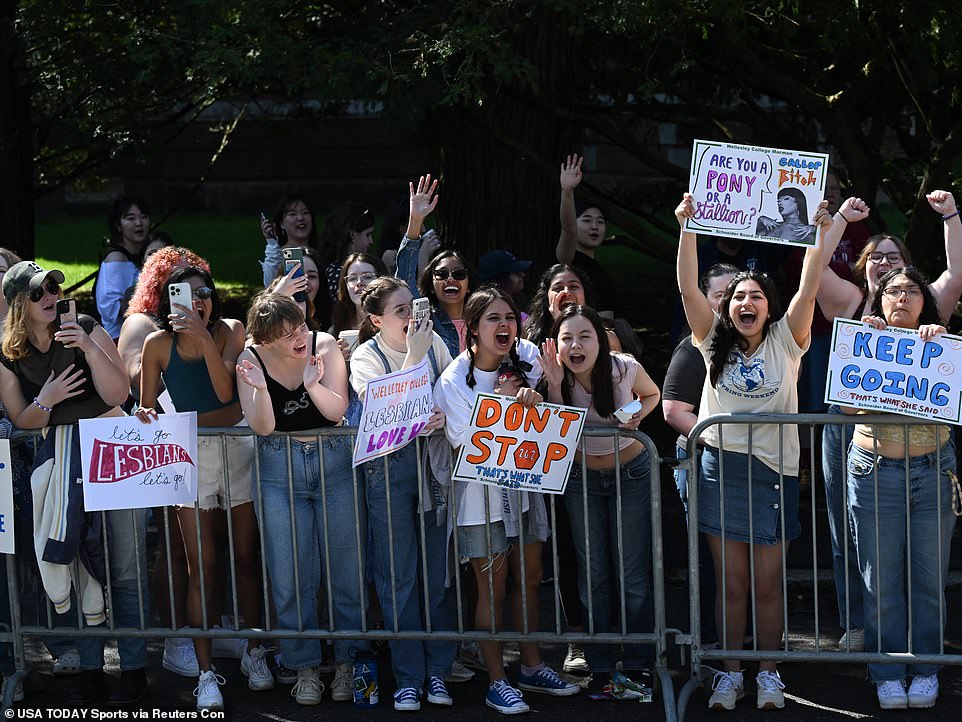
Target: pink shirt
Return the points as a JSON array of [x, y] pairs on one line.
[[624, 369]]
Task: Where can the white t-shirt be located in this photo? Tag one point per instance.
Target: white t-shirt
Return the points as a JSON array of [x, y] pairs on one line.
[[366, 364], [764, 383], [456, 399]]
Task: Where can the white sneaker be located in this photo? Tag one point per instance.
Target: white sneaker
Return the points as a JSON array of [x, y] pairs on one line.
[[309, 688], [207, 691], [179, 657], [770, 688], [342, 688], [68, 664], [729, 687], [575, 660], [853, 640], [18, 692], [407, 699], [891, 694], [924, 691], [254, 666], [459, 673]]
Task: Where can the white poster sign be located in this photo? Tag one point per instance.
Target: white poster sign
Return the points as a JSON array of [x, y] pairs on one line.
[[131, 465], [396, 409], [7, 545], [895, 370], [511, 446]]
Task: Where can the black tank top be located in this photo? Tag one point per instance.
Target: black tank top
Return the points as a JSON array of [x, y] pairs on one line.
[[293, 410]]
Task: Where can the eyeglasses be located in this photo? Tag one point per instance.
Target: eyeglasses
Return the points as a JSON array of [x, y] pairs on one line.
[[892, 256], [458, 274], [895, 292], [202, 293], [49, 287], [364, 279]]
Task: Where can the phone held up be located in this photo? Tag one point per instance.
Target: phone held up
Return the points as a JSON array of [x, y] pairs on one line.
[[295, 257], [66, 311], [421, 309], [180, 294]]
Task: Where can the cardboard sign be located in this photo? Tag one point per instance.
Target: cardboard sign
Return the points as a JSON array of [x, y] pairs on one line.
[[7, 545], [396, 408], [131, 465], [530, 449], [759, 194], [895, 370]]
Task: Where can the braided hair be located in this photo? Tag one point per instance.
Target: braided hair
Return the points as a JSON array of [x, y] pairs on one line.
[[373, 301], [474, 309]]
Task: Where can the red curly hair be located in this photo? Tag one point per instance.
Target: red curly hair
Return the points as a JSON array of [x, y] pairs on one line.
[[154, 275]]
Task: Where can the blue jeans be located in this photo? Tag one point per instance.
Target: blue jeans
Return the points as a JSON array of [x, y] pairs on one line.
[[302, 550], [835, 440], [595, 518], [883, 529], [411, 660], [126, 531]]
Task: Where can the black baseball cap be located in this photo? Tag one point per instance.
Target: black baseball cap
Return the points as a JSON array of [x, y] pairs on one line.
[[27, 276], [494, 263]]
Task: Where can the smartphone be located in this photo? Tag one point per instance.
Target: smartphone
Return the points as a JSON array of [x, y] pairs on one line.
[[66, 311], [625, 413], [421, 308], [294, 257], [180, 294]]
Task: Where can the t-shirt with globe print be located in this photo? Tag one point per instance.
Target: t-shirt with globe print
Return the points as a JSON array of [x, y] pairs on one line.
[[763, 383]]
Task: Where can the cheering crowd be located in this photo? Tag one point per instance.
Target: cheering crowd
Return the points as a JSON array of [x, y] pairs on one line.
[[334, 316]]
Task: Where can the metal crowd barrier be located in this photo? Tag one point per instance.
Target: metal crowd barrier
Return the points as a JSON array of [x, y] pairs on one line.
[[699, 652], [551, 631]]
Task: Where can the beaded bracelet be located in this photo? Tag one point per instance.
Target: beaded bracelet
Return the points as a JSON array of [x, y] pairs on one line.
[[36, 402], [951, 215]]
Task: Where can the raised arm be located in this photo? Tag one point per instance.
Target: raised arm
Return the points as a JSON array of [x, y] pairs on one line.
[[801, 309], [697, 309], [948, 286], [255, 399], [422, 204], [570, 178], [325, 378], [837, 296]]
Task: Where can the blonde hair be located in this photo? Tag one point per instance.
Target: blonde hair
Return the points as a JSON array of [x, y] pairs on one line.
[[16, 336], [267, 314]]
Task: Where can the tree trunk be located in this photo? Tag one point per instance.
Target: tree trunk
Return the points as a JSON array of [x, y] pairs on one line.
[[16, 146], [496, 190]]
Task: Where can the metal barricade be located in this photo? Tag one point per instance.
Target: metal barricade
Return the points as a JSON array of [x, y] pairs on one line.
[[792, 636], [348, 512]]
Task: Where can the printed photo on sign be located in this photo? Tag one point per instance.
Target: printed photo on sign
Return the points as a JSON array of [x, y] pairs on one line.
[[131, 465], [396, 409], [7, 545], [755, 193], [895, 370], [515, 447]]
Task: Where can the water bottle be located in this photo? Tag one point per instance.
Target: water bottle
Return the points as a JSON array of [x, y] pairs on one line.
[[365, 682]]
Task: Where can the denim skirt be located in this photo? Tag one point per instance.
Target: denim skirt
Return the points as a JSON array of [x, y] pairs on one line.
[[773, 499]]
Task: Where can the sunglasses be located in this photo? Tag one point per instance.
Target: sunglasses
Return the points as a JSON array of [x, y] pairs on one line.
[[458, 274], [49, 287], [202, 293]]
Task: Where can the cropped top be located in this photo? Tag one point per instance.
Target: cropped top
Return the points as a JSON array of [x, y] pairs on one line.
[[189, 384], [624, 370], [293, 408], [919, 435], [33, 370]]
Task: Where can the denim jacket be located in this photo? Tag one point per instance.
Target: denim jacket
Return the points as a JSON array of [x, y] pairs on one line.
[[407, 271]]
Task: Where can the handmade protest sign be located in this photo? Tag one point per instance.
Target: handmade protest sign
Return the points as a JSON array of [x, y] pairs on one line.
[[396, 408], [131, 465], [759, 194], [509, 445], [7, 545], [895, 370]]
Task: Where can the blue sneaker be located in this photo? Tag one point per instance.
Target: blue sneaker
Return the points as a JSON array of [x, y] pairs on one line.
[[547, 681], [407, 699], [505, 698], [438, 692]]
